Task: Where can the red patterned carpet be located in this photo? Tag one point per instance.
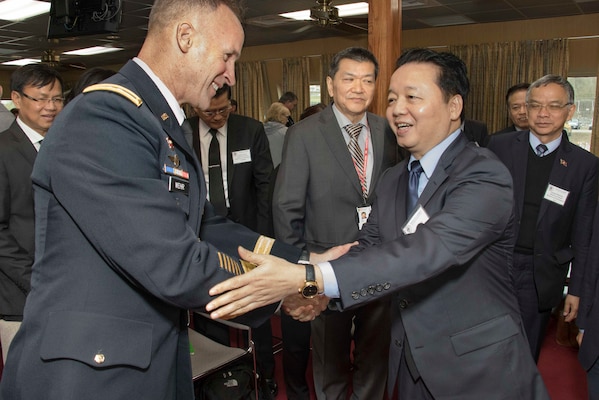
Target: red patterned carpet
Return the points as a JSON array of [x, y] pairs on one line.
[[563, 375]]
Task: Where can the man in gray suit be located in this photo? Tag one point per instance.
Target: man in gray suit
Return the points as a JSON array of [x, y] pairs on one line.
[[439, 241], [322, 197]]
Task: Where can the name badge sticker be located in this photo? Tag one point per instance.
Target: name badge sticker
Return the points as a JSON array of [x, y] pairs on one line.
[[241, 156], [419, 216], [556, 195]]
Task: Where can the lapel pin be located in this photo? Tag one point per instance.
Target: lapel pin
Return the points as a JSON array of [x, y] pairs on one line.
[[169, 141], [563, 162], [164, 116]]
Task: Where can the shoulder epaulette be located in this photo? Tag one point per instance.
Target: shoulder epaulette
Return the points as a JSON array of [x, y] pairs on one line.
[[118, 89]]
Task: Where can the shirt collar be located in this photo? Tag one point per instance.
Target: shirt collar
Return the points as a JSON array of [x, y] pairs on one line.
[[551, 146], [166, 93], [204, 128], [33, 136], [430, 160], [342, 120]]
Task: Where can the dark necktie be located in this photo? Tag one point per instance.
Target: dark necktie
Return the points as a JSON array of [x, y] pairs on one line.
[[541, 149], [415, 171], [215, 176], [356, 153]]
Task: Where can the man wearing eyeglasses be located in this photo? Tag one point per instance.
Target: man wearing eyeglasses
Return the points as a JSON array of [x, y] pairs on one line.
[[36, 90], [235, 156], [555, 190]]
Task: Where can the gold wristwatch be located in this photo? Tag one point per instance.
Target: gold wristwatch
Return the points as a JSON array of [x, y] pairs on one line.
[[310, 288]]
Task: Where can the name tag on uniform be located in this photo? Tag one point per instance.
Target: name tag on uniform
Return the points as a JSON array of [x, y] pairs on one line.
[[556, 195], [178, 185], [419, 216], [241, 156]]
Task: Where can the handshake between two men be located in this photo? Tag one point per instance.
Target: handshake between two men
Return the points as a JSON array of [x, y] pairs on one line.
[[274, 280]]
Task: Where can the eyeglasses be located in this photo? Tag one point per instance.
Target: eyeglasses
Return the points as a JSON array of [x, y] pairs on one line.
[[211, 114], [58, 101], [551, 108]]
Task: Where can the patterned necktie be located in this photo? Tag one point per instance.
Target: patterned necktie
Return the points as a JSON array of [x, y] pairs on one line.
[[415, 171], [215, 176], [541, 149], [356, 153]]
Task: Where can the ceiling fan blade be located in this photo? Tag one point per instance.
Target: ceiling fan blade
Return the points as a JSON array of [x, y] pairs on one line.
[[303, 28], [353, 26]]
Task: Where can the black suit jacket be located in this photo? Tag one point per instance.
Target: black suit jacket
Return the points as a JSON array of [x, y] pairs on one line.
[[511, 128], [476, 131], [588, 312], [563, 232], [17, 156], [248, 182], [450, 280]]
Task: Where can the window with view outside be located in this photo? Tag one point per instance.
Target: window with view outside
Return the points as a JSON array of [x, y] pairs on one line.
[[579, 127]]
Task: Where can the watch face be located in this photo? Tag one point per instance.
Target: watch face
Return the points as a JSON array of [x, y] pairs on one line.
[[310, 291]]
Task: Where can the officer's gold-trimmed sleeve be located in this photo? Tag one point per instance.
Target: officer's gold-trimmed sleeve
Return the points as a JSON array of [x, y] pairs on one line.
[[263, 245]]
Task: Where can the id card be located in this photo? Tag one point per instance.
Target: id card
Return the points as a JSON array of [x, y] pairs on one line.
[[363, 214]]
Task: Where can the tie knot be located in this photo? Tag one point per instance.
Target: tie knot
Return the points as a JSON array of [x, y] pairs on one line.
[[415, 167], [213, 132], [353, 130], [541, 149]]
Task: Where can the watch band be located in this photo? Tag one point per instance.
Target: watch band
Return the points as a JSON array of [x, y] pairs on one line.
[[310, 274], [304, 258]]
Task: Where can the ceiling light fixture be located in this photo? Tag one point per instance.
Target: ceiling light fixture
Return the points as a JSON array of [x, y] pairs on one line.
[[18, 10], [22, 61], [90, 51], [345, 10]]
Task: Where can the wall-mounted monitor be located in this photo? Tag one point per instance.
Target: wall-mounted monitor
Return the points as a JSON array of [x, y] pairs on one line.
[[69, 18]]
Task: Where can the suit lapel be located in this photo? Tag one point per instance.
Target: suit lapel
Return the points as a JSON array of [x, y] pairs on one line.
[[330, 130], [158, 106], [440, 173], [518, 168], [377, 135], [232, 129], [25, 146], [401, 197], [154, 100]]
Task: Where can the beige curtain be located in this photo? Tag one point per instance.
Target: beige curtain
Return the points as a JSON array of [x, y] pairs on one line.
[[494, 67], [595, 130], [296, 79], [326, 64], [252, 89]]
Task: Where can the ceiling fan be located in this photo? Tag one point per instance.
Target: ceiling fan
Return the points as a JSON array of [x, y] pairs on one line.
[[52, 59], [324, 14]]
